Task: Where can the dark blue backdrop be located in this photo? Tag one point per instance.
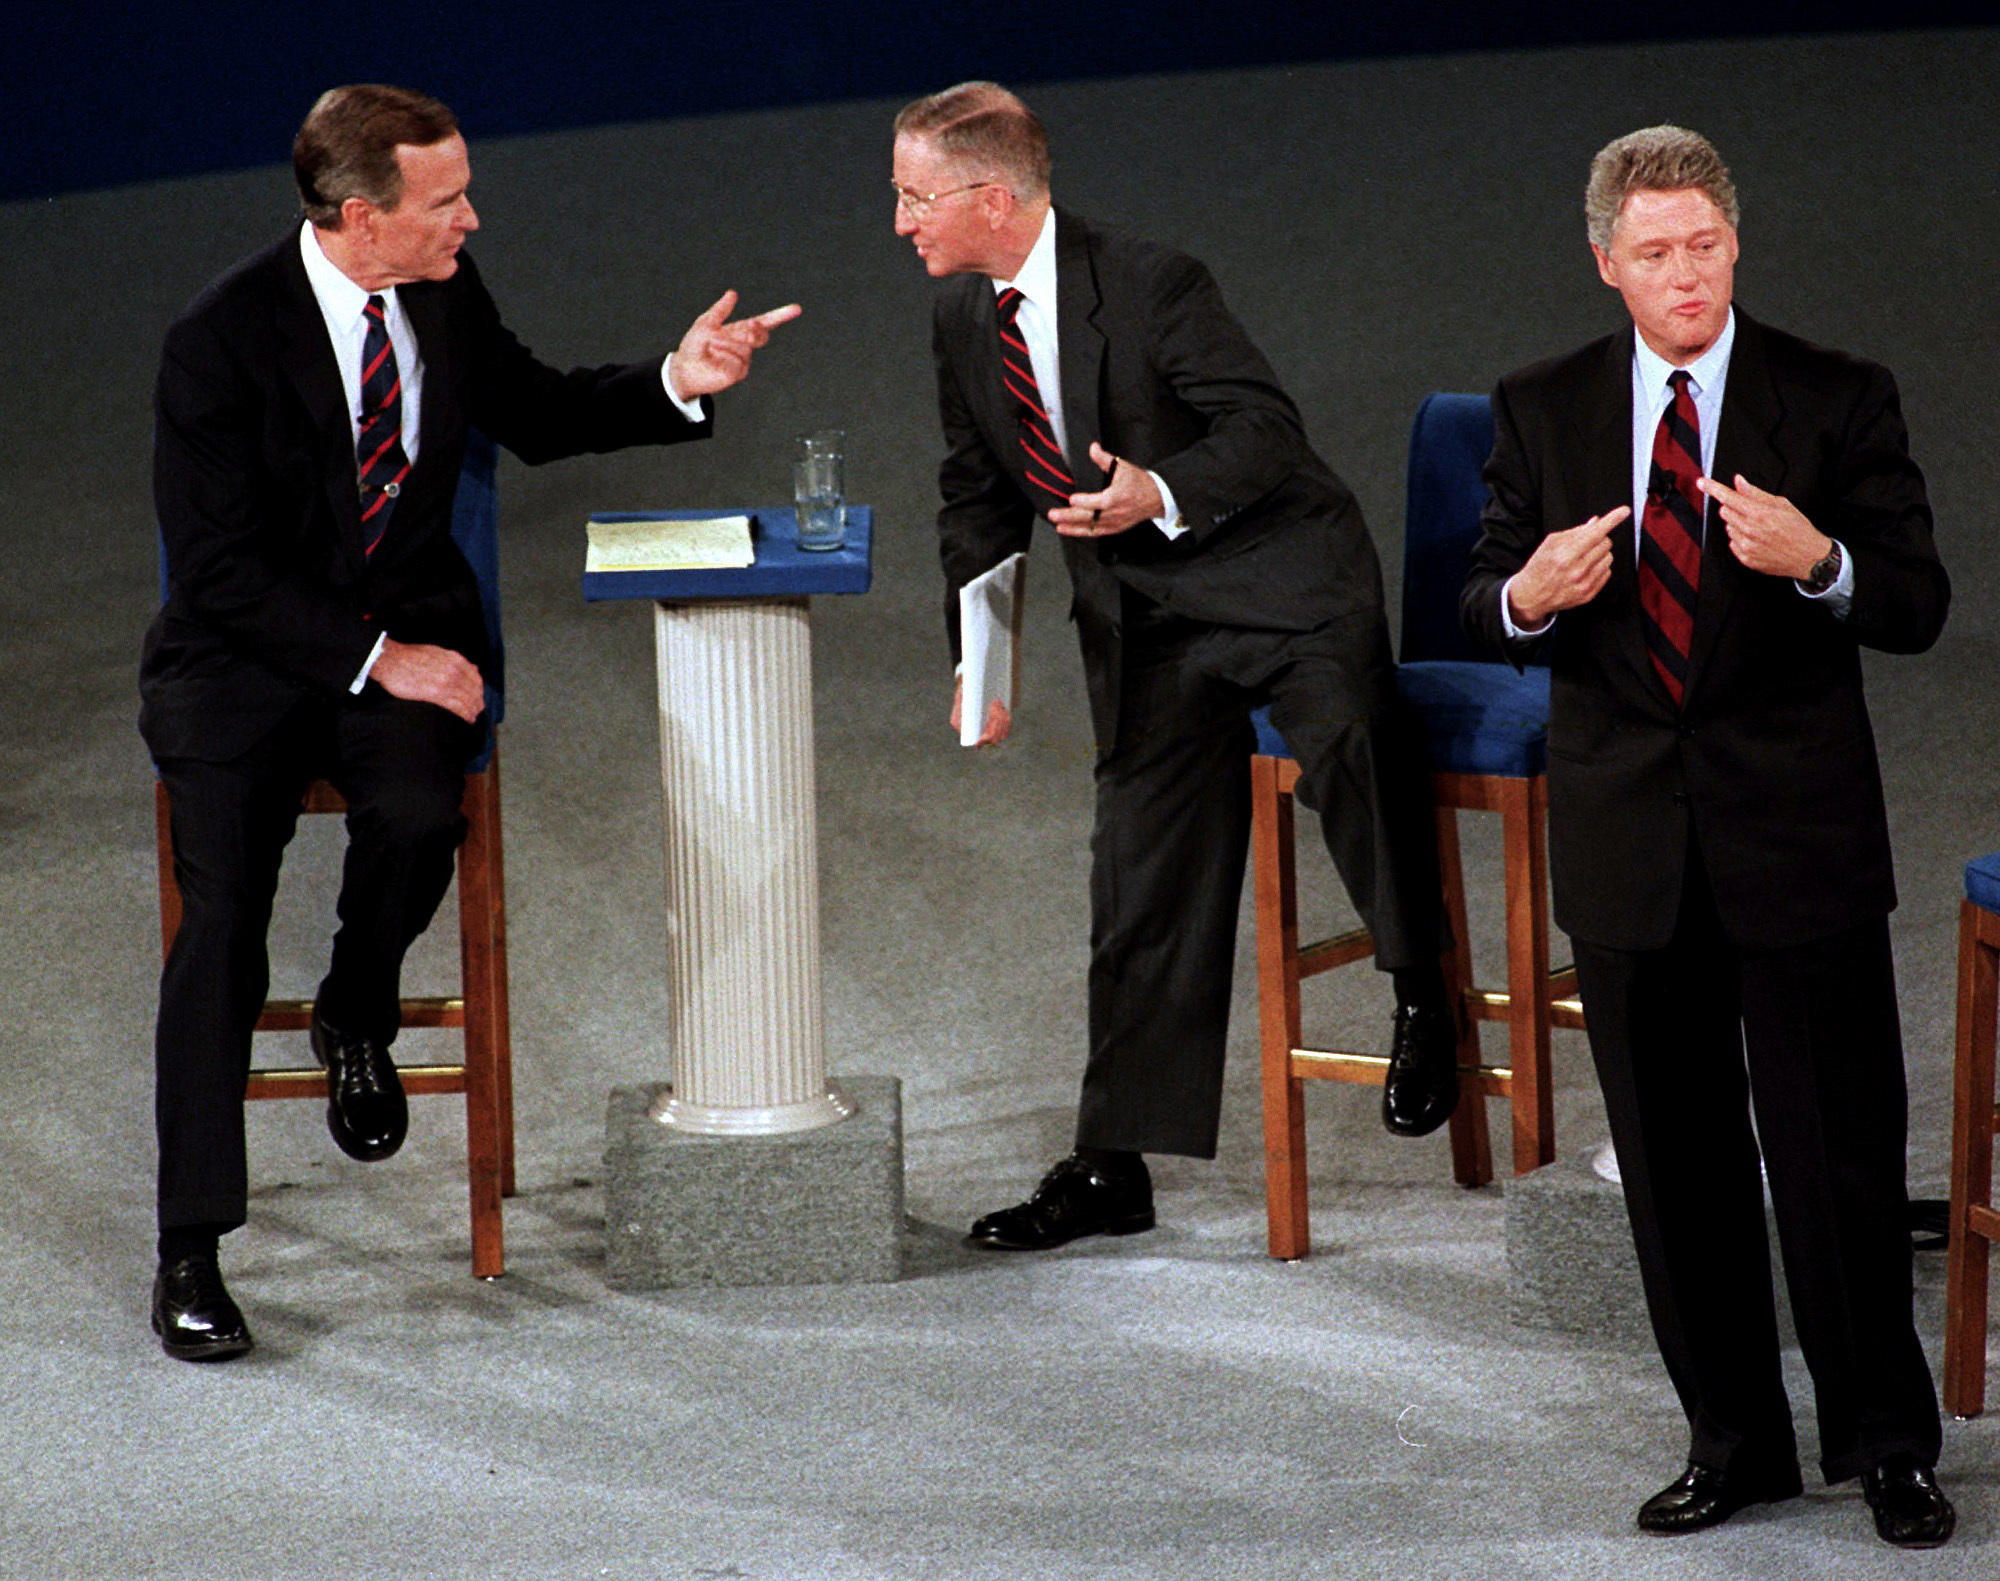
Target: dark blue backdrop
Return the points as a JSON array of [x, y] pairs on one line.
[[102, 92]]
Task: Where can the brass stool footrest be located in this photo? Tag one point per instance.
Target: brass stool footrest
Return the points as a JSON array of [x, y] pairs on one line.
[[295, 1015], [311, 1082], [1497, 1004], [1325, 955], [1371, 1070]]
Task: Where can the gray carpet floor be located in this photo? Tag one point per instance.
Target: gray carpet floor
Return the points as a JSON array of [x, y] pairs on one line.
[[1175, 1405]]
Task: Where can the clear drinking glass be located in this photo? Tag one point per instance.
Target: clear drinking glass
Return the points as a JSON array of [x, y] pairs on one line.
[[819, 489]]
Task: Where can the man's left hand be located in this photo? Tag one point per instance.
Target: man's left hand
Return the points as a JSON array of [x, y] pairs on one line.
[[1127, 498], [715, 353], [1767, 532]]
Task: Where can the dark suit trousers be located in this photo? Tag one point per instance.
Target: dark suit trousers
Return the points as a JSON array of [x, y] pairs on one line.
[[400, 766], [1689, 1042], [1172, 835]]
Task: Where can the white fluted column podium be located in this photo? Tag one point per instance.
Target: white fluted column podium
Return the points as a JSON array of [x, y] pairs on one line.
[[736, 777], [748, 1165]]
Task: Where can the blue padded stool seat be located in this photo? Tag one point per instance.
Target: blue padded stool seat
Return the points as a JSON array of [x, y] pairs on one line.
[[1476, 718], [1982, 880], [1269, 743], [1479, 718]]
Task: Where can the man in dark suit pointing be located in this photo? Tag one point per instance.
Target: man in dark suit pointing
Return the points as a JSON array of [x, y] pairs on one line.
[[1710, 520], [1097, 383], [311, 417]]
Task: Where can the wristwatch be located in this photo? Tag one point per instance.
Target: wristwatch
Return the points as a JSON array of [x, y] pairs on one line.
[[1826, 573]]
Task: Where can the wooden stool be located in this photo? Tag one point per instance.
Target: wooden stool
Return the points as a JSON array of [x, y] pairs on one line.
[[1485, 730], [485, 1074]]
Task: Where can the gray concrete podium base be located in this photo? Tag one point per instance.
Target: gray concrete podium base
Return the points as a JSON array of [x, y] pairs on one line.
[[1570, 1262], [805, 1207]]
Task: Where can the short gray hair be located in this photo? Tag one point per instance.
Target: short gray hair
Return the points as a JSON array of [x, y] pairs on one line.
[[981, 125], [1654, 159], [347, 146]]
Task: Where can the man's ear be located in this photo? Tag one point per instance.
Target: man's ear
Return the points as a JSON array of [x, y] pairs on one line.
[[357, 216]]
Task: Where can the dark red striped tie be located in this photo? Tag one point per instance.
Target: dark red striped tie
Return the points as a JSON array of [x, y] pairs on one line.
[[378, 451], [1670, 539], [1041, 457]]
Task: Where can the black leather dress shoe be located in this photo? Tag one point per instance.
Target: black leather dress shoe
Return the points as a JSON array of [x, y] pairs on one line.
[[1075, 1198], [192, 1312], [1702, 1497], [365, 1107], [1911, 1510], [1421, 1088]]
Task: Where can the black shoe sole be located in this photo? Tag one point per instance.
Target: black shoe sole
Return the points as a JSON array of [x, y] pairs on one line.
[[1734, 1506], [1134, 1225], [1397, 1128], [206, 1350]]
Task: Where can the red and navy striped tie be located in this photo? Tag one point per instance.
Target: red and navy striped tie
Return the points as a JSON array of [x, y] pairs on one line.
[[1670, 539], [1042, 459], [378, 451]]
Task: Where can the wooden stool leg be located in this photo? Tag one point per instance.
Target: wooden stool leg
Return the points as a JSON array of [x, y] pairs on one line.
[[503, 1032], [1971, 1160], [1471, 1143], [482, 1119], [1271, 837], [1524, 825]]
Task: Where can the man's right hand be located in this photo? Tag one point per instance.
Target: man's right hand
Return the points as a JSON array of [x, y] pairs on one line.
[[424, 674], [998, 720], [1568, 568]]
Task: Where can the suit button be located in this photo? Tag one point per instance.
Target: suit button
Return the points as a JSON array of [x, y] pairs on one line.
[[1680, 798], [1684, 731]]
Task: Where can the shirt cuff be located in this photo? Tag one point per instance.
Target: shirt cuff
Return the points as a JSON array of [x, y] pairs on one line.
[[1839, 598], [691, 410], [374, 653], [1169, 520], [1514, 632]]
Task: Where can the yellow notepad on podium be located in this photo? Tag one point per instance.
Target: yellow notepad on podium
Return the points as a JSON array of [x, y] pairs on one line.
[[663, 543]]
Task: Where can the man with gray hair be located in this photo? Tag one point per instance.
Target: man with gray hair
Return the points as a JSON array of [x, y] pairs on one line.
[[1708, 521], [1096, 383], [311, 419]]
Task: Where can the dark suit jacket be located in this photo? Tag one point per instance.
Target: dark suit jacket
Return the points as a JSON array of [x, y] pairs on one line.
[[270, 597], [1157, 370], [1771, 759]]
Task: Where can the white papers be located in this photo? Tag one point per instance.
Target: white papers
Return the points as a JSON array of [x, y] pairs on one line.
[[989, 629], [666, 544]]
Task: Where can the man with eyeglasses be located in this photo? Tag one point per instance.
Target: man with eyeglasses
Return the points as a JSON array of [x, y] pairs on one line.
[[1096, 383]]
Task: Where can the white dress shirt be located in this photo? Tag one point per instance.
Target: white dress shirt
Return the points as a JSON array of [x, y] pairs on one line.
[[343, 305], [1036, 319], [1652, 394]]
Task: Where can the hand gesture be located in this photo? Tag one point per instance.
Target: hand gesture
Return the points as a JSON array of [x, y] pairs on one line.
[[715, 353], [1767, 532], [1568, 568], [1127, 498]]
